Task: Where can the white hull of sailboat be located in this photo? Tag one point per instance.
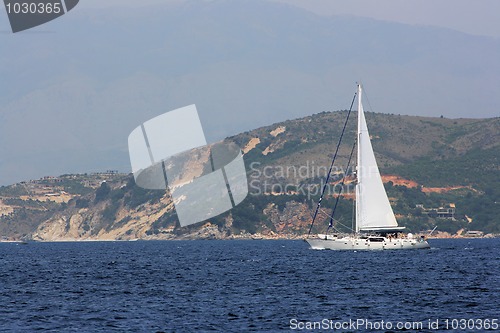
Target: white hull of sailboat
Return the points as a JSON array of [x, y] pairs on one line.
[[358, 244]]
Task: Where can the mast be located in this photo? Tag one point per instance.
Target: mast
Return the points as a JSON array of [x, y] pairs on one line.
[[358, 162]]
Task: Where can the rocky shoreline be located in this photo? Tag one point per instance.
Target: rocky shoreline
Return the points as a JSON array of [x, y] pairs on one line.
[[198, 236]]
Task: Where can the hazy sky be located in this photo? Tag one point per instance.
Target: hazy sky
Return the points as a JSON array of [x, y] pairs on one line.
[[478, 17], [244, 63]]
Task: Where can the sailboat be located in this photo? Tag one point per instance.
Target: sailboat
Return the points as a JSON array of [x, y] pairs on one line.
[[375, 226]]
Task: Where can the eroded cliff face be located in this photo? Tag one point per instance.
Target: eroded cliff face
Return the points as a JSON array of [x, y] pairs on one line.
[[113, 217], [114, 208], [89, 224], [294, 218]]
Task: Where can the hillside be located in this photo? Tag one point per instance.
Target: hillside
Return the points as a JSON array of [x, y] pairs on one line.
[[246, 64], [438, 172]]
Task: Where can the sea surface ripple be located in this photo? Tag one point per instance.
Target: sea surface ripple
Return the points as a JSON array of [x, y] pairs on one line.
[[241, 286]]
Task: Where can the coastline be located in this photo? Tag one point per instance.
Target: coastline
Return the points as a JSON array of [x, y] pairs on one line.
[[192, 238]]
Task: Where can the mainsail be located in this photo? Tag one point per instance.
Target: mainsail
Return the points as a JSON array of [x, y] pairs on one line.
[[373, 210]]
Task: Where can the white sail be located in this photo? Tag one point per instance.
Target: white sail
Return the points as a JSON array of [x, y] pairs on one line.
[[373, 210]]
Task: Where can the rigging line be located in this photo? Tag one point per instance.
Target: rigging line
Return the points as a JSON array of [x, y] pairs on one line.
[[368, 100], [321, 211], [343, 226], [331, 166], [342, 185], [337, 222]]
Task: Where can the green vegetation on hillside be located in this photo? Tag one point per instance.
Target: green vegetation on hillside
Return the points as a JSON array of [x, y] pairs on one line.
[[479, 170], [461, 155]]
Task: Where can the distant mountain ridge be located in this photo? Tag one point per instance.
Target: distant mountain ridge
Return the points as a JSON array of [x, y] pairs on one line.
[[432, 162], [244, 63]]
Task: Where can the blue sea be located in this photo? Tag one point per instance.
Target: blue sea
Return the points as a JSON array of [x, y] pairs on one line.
[[248, 286]]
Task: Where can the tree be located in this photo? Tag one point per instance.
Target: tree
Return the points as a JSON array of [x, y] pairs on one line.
[[102, 192]]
